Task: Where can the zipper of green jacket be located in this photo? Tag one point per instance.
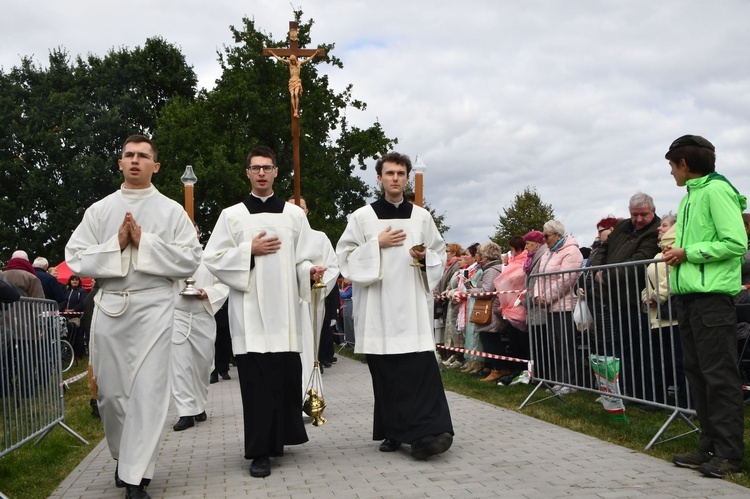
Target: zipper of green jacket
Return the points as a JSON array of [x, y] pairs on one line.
[[676, 269]]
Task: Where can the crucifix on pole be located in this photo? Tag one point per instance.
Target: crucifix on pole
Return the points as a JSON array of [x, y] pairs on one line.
[[290, 56]]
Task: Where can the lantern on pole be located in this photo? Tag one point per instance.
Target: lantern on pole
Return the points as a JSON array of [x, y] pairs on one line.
[[419, 169], [188, 180]]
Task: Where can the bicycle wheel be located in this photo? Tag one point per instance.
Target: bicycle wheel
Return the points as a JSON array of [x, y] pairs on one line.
[[66, 355]]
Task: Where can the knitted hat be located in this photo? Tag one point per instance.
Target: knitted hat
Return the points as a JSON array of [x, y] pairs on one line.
[[534, 236]]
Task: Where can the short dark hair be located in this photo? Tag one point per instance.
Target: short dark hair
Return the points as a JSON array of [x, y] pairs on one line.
[[516, 242], [138, 139], [699, 154], [472, 249], [263, 151], [393, 157]]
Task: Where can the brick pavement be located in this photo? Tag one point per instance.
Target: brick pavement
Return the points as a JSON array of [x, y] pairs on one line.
[[342, 461]]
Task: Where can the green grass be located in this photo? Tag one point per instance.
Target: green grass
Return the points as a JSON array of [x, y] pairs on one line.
[[581, 413], [35, 471]]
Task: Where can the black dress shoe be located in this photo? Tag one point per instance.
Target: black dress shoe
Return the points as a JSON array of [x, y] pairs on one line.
[[389, 445], [260, 467], [118, 483], [136, 492], [199, 418], [431, 445], [225, 376], [184, 423], [326, 364], [214, 378], [334, 360]]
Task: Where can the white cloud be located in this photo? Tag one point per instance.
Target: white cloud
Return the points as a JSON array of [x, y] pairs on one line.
[[579, 99]]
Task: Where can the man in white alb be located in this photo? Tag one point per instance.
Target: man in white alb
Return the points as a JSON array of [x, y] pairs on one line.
[[265, 251], [393, 306], [135, 242], [193, 339]]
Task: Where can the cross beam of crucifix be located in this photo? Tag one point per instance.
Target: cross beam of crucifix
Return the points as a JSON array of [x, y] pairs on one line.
[[290, 56]]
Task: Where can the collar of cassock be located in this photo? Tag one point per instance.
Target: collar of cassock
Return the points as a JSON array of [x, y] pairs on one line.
[[268, 204], [386, 210]]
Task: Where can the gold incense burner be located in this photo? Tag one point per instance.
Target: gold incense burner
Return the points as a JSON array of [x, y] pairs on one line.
[[314, 406]]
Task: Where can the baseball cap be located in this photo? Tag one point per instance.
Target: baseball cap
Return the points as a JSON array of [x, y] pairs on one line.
[[691, 140]]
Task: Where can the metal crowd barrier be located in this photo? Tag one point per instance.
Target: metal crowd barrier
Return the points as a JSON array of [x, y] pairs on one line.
[[31, 384], [619, 353]]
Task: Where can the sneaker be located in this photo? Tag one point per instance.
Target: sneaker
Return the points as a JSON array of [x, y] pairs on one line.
[[718, 467], [693, 460], [450, 360], [456, 365], [468, 367]]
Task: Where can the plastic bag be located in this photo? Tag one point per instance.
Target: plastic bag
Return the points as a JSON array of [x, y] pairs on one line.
[[607, 372], [582, 317]]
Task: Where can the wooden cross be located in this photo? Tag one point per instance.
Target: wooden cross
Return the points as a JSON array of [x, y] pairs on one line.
[[290, 56]]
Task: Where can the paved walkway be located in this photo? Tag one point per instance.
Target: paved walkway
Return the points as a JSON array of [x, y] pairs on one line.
[[341, 460]]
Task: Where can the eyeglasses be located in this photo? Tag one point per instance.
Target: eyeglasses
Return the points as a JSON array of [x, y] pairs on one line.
[[602, 230], [545, 236], [256, 168], [141, 155]]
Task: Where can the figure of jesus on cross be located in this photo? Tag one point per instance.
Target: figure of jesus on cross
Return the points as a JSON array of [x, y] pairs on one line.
[[292, 59], [295, 83]]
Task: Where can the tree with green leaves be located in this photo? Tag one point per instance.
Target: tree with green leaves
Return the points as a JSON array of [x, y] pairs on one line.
[[526, 212], [250, 106], [61, 130]]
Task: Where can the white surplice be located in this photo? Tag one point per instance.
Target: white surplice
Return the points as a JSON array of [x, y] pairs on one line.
[[392, 300], [193, 339], [132, 321], [264, 311]]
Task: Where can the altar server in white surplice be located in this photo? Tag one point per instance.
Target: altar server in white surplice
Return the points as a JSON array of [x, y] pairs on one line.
[[308, 310], [393, 311], [135, 242], [193, 339], [265, 251]]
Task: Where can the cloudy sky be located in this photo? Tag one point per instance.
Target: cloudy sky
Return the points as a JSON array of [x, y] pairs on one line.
[[579, 99]]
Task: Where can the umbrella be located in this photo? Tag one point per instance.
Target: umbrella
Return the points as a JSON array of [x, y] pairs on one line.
[[64, 273]]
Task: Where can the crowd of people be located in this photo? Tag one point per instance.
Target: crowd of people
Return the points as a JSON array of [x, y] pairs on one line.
[[401, 291]]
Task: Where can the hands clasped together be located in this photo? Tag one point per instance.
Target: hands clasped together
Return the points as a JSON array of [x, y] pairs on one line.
[[129, 232]]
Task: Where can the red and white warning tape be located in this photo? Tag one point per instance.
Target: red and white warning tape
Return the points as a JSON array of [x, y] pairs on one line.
[[529, 363]]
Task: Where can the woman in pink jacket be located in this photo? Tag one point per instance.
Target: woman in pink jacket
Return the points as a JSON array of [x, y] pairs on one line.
[[556, 294]]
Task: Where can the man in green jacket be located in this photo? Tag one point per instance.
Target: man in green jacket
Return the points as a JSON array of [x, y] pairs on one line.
[[707, 258]]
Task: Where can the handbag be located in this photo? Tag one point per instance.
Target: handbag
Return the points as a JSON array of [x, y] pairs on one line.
[[481, 313]]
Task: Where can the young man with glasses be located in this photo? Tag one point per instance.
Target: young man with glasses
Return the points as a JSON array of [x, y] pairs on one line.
[[707, 259], [135, 242], [264, 249]]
